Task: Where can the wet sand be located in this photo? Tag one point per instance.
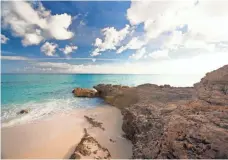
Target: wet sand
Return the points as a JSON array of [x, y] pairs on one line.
[[58, 136]]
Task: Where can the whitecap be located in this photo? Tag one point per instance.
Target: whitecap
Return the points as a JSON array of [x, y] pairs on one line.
[[43, 109]]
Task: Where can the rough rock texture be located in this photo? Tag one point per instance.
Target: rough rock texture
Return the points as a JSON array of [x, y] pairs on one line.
[[213, 88], [90, 148], [119, 96], [94, 123], [175, 122], [83, 92]]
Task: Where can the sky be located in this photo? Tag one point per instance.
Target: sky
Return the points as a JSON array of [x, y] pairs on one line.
[[118, 37]]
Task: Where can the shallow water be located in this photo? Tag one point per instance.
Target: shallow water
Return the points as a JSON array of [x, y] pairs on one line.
[[46, 94]]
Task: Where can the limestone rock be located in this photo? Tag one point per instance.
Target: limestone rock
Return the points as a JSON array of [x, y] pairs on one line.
[[175, 122], [117, 95], [213, 88], [83, 92], [89, 148]]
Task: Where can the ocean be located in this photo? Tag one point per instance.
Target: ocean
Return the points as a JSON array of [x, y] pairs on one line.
[[47, 94]]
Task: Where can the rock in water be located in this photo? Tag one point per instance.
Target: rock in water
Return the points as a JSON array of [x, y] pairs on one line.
[[117, 95], [23, 111], [83, 92]]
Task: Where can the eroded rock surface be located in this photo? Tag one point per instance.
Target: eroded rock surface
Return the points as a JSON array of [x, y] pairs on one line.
[[94, 123], [84, 92], [89, 147], [175, 122], [119, 96], [213, 88]]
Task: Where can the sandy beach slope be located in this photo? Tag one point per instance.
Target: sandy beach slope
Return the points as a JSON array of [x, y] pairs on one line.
[[58, 136]]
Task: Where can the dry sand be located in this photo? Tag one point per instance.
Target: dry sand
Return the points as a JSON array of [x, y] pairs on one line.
[[58, 136]]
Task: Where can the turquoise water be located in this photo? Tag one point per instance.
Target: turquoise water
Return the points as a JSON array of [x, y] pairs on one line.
[[45, 94]]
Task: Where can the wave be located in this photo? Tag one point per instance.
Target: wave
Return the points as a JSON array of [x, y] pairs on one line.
[[39, 110]]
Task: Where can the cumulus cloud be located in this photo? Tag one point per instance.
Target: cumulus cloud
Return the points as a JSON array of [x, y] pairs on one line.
[[68, 49], [111, 40], [4, 39], [138, 54], [35, 24], [134, 43], [49, 49], [185, 26]]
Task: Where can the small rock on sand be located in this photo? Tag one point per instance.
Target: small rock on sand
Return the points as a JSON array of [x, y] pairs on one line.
[[23, 111]]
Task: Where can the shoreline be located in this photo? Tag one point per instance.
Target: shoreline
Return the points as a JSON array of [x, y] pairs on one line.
[[162, 122], [165, 122], [58, 136]]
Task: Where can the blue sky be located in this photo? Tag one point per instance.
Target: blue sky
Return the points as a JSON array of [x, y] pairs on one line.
[[113, 37], [94, 16]]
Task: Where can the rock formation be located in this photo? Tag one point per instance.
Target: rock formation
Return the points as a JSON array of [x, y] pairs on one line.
[[83, 92], [213, 88], [175, 122], [89, 147], [23, 111]]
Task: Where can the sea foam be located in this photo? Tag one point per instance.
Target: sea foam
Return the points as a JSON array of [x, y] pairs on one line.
[[39, 110]]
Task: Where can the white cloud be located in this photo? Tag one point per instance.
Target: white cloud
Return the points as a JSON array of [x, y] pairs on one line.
[[200, 64], [112, 39], [68, 49], [34, 25], [31, 38], [188, 26], [134, 43], [53, 65], [49, 49], [138, 54], [96, 52], [159, 54], [14, 58], [82, 23], [4, 39], [174, 40], [57, 26]]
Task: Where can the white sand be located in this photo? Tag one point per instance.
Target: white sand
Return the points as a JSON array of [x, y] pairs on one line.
[[58, 136]]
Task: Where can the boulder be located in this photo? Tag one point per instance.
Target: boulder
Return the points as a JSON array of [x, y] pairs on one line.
[[23, 111], [83, 92], [117, 95]]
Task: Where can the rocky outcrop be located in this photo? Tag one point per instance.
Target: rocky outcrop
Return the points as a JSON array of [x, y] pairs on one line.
[[119, 96], [175, 122], [84, 92], [213, 88]]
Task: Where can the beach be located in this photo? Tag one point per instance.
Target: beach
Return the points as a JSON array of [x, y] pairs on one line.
[[55, 122], [58, 135], [109, 121], [138, 79]]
